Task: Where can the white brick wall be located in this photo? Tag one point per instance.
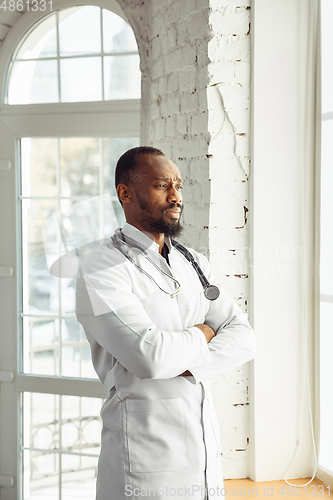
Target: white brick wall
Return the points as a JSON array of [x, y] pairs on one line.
[[178, 110], [196, 109], [199, 80], [229, 124]]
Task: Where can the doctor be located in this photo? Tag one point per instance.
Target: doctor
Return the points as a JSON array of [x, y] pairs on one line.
[[156, 336]]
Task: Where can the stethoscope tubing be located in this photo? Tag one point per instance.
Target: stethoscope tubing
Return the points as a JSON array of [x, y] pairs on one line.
[[115, 240], [211, 292]]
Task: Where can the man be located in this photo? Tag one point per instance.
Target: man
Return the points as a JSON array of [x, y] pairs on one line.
[[155, 338]]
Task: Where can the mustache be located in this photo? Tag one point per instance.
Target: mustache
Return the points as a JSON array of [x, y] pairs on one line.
[[175, 205]]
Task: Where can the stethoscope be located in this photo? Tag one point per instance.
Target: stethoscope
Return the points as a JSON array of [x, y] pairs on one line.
[[211, 292]]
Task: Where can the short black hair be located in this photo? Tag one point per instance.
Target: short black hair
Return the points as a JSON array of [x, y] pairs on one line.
[[128, 163]]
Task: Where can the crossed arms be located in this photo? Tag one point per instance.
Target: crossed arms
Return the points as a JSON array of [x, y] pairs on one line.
[[124, 329]]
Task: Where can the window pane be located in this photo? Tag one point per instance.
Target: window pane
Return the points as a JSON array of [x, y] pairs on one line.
[[81, 79], [40, 288], [113, 149], [41, 346], [40, 421], [33, 82], [37, 80], [326, 247], [65, 455], [326, 263], [80, 31], [326, 391], [71, 354], [67, 295], [117, 34], [40, 475], [86, 221], [76, 358], [122, 77], [42, 41], [82, 171], [79, 163], [81, 424], [39, 158], [78, 480], [51, 350], [87, 369], [326, 55]]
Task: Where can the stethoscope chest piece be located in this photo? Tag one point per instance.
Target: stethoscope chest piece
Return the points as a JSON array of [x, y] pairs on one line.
[[211, 292]]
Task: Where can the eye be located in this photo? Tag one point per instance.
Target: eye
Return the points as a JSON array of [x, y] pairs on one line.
[[179, 187], [160, 185]]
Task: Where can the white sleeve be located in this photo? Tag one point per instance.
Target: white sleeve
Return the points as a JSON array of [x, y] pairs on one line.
[[234, 342], [116, 319]]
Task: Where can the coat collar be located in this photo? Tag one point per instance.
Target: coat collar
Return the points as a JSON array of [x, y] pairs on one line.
[[145, 239]]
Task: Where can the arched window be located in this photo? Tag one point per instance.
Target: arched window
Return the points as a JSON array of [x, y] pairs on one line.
[[71, 107], [58, 62]]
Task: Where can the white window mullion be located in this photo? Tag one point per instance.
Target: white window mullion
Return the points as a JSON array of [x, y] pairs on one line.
[[58, 57], [58, 180], [101, 186], [102, 53], [78, 56]]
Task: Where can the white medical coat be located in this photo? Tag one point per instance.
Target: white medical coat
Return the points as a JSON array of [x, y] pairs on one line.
[[160, 436]]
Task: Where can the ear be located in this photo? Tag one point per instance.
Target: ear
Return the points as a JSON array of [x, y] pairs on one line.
[[123, 193]]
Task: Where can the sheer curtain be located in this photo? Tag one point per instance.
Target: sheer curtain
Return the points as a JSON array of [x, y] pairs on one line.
[[325, 247]]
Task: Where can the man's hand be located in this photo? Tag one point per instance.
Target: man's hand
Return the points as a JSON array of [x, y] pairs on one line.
[[207, 331]]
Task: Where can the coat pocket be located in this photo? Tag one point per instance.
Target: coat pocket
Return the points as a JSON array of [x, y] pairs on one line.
[[155, 435]]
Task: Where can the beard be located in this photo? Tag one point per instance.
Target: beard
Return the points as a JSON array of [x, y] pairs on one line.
[[149, 223]]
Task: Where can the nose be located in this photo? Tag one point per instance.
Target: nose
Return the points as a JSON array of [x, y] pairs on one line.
[[174, 195]]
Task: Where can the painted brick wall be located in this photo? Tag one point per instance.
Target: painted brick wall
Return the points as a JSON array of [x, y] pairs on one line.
[[178, 111], [229, 152], [173, 41], [195, 57], [199, 78]]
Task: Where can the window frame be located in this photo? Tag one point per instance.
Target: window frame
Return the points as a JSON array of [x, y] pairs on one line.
[[277, 113], [323, 474], [27, 21], [58, 58]]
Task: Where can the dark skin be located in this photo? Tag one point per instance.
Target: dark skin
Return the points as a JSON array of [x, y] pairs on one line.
[[155, 195], [158, 182]]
